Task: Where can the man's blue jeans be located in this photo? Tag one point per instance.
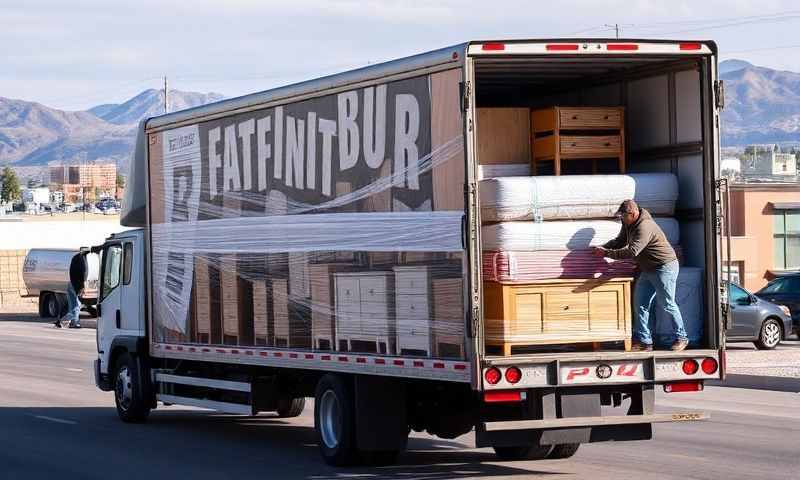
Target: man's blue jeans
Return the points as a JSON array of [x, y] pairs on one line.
[[73, 307], [660, 283]]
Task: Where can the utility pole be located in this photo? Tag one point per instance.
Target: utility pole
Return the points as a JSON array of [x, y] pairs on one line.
[[616, 29], [166, 103]]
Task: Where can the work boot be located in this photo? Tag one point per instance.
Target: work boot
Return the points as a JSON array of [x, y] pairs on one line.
[[57, 323], [679, 345], [74, 325], [641, 347]]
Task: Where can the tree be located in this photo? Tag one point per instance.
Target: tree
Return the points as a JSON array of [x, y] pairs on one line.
[[10, 191], [120, 181]]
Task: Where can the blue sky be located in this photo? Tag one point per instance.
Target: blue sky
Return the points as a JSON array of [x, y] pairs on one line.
[[77, 54]]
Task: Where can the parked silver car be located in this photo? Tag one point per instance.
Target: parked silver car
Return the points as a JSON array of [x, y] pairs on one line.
[[757, 320]]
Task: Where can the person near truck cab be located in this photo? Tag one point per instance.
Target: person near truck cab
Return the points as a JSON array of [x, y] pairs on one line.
[[78, 271], [642, 240]]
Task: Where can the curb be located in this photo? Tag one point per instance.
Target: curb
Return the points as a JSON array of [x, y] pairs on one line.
[[759, 382]]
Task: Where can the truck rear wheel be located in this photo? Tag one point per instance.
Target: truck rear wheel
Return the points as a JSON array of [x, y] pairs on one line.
[[564, 450], [523, 452], [291, 407], [334, 420], [129, 391]]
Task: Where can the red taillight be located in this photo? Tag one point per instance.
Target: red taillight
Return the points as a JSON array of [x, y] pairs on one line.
[[492, 376], [683, 387], [690, 46], [623, 47], [709, 365], [503, 396], [561, 47], [513, 375], [493, 47], [690, 366]]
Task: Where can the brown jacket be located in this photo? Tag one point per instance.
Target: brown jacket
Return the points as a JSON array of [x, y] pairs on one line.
[[644, 242]]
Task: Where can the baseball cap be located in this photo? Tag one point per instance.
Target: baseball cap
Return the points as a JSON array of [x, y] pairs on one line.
[[628, 206]]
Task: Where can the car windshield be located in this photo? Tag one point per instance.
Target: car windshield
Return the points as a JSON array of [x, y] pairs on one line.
[[782, 285]]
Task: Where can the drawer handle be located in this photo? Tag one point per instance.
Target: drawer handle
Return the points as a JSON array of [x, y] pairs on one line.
[[347, 292], [371, 291], [574, 145], [605, 117], [607, 144], [574, 117], [566, 307]]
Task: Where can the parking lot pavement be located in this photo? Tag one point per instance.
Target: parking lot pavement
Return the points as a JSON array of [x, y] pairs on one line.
[[784, 361]]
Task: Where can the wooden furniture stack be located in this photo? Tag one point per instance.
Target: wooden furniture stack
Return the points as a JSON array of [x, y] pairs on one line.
[[577, 133], [552, 312]]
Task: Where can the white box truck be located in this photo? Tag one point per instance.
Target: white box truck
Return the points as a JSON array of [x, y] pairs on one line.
[[323, 240]]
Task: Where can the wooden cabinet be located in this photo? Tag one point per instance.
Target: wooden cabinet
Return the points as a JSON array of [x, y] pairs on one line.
[[557, 312], [573, 133], [449, 318], [365, 311]]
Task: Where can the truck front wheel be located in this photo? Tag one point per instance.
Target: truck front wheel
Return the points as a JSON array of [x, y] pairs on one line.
[[334, 420], [129, 391], [523, 452]]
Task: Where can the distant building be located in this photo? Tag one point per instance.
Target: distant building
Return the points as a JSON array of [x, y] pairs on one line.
[[39, 196], [765, 231], [57, 197], [92, 180], [766, 161]]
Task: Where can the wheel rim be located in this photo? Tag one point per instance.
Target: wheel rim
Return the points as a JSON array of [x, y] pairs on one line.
[[772, 334], [123, 389], [330, 419], [52, 308]]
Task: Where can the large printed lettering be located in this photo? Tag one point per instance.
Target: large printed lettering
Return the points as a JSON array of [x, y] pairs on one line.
[[309, 146]]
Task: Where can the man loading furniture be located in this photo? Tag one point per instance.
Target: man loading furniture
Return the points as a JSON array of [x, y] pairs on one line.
[[641, 239]]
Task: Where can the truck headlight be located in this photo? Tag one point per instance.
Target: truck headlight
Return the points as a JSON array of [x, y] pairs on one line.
[[785, 310]]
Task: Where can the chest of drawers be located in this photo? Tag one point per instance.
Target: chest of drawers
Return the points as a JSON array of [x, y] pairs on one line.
[[557, 312], [365, 311]]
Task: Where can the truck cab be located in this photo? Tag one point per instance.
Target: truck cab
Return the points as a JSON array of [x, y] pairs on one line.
[[121, 303]]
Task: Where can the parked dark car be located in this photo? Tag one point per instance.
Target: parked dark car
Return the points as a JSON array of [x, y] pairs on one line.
[[757, 320], [785, 290]]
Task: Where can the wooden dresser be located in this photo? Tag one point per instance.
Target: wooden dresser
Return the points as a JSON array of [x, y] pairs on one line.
[[557, 312], [573, 133], [365, 311]]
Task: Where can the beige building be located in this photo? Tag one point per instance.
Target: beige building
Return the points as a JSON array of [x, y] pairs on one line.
[[89, 178], [765, 231]]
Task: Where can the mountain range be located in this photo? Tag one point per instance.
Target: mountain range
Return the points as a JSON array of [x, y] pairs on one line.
[[32, 134], [762, 105]]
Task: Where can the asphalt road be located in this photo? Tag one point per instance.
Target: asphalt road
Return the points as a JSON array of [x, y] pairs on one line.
[[55, 424]]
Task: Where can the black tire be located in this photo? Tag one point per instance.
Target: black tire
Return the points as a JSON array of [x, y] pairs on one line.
[[523, 452], [380, 458], [129, 396], [291, 407], [564, 450], [335, 421], [770, 335], [51, 307]]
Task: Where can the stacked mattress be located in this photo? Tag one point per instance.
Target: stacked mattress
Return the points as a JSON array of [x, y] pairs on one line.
[[572, 215], [514, 198]]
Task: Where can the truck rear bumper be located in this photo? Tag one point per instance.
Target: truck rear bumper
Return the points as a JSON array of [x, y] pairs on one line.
[[593, 421]]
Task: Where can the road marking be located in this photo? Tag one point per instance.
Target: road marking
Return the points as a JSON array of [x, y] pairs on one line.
[[57, 420], [73, 369]]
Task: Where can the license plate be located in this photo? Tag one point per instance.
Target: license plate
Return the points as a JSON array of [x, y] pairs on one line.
[[601, 372]]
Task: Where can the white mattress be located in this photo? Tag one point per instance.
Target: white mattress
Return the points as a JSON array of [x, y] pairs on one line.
[[689, 297], [574, 196], [561, 234]]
